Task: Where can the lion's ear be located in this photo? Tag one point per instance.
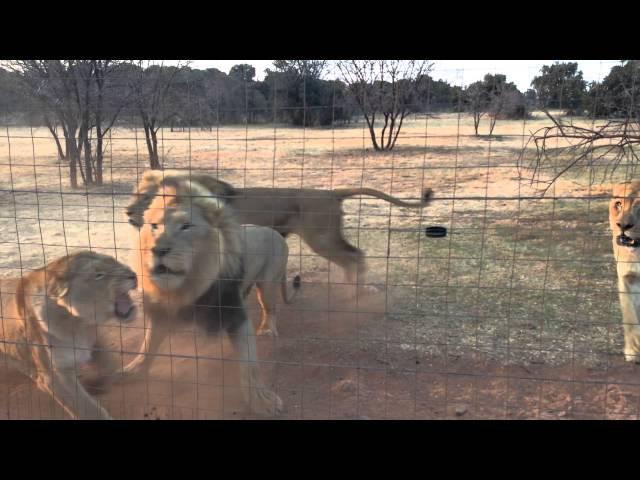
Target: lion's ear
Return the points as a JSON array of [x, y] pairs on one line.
[[59, 289], [57, 285], [56, 280]]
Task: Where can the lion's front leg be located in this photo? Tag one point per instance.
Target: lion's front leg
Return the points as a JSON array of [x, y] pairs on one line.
[[153, 338], [630, 305], [106, 367], [71, 395], [260, 399]]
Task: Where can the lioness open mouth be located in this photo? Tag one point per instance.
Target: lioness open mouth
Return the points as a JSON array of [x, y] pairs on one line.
[[124, 305], [625, 241]]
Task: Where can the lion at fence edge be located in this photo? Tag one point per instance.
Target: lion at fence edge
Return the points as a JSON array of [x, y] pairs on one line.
[[624, 220]]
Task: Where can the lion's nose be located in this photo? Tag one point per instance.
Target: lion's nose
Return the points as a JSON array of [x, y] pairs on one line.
[[160, 252], [625, 226]]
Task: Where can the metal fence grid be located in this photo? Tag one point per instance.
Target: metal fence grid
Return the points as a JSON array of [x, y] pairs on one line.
[[514, 314]]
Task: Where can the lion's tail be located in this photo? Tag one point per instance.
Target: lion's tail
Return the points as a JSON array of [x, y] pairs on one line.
[[296, 286], [343, 193]]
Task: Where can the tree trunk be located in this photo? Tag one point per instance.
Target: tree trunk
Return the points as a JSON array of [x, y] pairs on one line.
[[492, 124], [395, 139], [99, 155], [391, 128], [384, 128], [476, 122], [154, 140], [88, 167], [54, 133], [99, 133], [72, 153], [151, 139], [372, 132], [154, 162], [78, 155]]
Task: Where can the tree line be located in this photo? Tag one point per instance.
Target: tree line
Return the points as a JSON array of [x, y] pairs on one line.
[[81, 101]]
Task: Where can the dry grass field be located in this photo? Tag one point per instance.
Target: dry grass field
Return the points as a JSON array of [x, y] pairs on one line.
[[513, 315]]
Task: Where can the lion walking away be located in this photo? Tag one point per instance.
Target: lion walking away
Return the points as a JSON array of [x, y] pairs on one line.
[[314, 215]]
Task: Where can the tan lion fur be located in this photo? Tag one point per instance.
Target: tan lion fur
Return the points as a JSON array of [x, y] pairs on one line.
[[50, 319], [314, 215], [191, 246]]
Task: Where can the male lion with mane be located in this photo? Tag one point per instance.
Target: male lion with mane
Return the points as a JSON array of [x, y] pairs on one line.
[[314, 215], [192, 268], [50, 319], [624, 220]]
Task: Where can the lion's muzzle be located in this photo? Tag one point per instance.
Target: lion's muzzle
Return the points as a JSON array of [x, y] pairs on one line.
[[162, 269]]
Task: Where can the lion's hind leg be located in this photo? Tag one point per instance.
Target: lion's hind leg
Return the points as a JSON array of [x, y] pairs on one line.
[[335, 248]]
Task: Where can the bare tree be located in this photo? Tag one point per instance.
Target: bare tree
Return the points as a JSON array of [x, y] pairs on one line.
[[52, 126], [112, 95], [150, 85], [496, 106], [54, 84], [607, 143], [610, 143], [72, 95], [477, 99], [386, 87]]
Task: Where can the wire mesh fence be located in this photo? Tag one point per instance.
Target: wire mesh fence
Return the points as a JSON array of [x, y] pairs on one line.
[[513, 314]]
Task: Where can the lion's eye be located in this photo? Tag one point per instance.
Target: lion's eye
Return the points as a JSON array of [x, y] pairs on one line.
[[99, 276], [186, 226], [618, 205], [154, 226]]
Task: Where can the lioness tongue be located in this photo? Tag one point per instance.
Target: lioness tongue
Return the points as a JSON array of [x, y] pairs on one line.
[[123, 303]]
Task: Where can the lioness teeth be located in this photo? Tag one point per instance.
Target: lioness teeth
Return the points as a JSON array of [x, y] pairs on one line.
[[625, 241], [124, 305]]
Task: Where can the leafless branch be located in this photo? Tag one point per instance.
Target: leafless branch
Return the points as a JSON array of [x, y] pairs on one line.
[[608, 143]]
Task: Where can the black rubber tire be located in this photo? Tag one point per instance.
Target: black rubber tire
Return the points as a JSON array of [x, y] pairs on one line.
[[435, 232]]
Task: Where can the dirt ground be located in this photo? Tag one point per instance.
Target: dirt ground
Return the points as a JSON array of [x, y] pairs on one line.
[[513, 315], [333, 364]]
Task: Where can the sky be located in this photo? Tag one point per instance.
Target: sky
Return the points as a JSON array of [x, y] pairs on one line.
[[458, 72]]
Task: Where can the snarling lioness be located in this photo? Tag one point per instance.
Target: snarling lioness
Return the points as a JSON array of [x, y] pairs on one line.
[[192, 269], [50, 319], [314, 215], [624, 220]]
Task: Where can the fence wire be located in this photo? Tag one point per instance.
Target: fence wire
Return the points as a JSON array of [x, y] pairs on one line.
[[513, 314]]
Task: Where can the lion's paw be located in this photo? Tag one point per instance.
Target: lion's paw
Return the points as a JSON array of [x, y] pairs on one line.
[[267, 332], [266, 402]]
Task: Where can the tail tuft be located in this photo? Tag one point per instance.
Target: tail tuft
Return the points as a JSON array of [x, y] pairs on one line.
[[427, 195], [296, 282]]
